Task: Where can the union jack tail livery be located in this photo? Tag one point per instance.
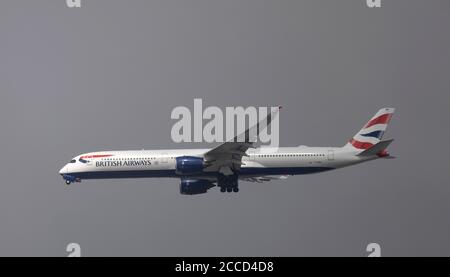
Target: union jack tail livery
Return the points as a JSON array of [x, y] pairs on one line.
[[372, 133]]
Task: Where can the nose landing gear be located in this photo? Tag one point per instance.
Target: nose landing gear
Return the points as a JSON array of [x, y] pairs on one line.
[[71, 179], [228, 183]]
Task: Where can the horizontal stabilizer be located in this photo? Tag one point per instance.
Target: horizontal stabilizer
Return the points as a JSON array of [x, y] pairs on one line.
[[377, 149]]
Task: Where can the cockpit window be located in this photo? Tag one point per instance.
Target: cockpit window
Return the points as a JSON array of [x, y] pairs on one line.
[[83, 160], [73, 161]]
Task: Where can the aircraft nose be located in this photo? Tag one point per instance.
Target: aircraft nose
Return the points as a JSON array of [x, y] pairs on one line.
[[63, 170]]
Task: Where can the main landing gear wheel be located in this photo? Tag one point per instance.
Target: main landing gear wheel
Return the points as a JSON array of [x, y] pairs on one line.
[[228, 183], [68, 182]]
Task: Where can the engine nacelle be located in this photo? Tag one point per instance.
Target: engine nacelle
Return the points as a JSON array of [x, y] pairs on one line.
[[191, 187], [187, 165]]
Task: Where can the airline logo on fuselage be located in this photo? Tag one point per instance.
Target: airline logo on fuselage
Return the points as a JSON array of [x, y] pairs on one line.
[[115, 163], [122, 163]]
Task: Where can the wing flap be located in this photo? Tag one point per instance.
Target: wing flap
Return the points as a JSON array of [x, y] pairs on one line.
[[227, 157], [263, 179]]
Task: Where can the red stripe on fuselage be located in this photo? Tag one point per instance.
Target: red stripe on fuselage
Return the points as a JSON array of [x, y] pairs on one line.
[[382, 119], [95, 156], [360, 144]]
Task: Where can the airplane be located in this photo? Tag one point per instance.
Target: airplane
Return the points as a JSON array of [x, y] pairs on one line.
[[235, 160]]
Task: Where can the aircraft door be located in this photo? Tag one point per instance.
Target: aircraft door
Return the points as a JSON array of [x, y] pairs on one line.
[[331, 155], [164, 158], [251, 156]]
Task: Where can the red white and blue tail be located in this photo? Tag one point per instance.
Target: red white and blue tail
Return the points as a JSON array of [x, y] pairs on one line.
[[372, 132]]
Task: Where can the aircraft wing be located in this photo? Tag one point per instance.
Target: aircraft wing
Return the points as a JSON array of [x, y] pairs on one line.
[[227, 157], [263, 179]]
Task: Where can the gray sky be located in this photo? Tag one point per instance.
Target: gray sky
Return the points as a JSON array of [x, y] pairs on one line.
[[106, 77]]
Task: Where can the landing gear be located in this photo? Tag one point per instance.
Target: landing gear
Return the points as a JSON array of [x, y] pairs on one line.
[[70, 179], [228, 183]]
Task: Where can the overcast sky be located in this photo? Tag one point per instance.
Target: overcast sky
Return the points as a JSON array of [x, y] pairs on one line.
[[107, 76]]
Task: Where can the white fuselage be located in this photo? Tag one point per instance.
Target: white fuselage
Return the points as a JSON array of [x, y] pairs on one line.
[[162, 163], [226, 164]]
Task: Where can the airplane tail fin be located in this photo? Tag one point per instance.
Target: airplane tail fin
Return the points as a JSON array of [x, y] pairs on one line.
[[372, 133]]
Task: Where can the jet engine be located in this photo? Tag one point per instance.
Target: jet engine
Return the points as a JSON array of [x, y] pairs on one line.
[[187, 165], [194, 186]]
